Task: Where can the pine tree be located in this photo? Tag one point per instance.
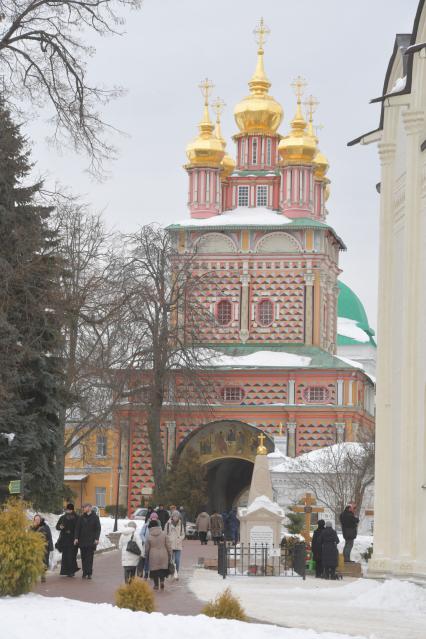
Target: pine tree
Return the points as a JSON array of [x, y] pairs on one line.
[[30, 377], [186, 483]]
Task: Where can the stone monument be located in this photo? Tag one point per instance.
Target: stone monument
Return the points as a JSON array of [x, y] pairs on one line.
[[261, 521]]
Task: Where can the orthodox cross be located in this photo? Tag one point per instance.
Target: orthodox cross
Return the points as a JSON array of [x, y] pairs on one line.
[[311, 104], [299, 85], [218, 105], [261, 32], [307, 508], [206, 86], [261, 439]]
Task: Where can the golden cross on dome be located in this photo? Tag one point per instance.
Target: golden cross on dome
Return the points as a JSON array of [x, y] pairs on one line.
[[206, 87], [261, 439], [261, 32], [299, 85], [311, 104], [218, 105]]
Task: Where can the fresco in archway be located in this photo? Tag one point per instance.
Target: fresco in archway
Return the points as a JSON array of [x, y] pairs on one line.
[[219, 440]]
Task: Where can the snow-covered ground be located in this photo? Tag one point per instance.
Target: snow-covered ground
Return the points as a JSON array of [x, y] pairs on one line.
[[61, 618], [378, 610]]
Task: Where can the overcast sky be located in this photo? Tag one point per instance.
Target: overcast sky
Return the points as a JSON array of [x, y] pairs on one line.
[[342, 48]]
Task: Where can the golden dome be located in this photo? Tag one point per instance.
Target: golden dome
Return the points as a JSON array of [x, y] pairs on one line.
[[206, 149], [259, 112], [228, 163], [321, 165], [300, 145]]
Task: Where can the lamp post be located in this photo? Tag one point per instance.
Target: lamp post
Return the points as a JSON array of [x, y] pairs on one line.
[[119, 469]]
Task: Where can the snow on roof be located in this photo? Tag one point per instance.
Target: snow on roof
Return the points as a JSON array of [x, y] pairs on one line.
[[316, 457], [268, 359], [349, 328], [264, 502], [399, 85], [74, 477], [241, 216]]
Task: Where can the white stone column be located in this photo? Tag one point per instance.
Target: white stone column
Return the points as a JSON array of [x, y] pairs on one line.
[[291, 392], [411, 354], [244, 326], [309, 287], [291, 431], [340, 432], [339, 398], [383, 483]]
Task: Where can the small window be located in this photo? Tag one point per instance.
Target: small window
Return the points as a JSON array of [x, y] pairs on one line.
[[224, 312], [243, 196], [265, 313], [315, 394], [262, 195], [254, 151], [100, 496], [101, 446], [232, 394]]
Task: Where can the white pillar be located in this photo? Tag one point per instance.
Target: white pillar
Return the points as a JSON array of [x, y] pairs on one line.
[[291, 392], [291, 430], [340, 392]]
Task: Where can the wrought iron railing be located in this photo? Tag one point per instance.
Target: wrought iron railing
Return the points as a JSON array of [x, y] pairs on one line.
[[261, 560]]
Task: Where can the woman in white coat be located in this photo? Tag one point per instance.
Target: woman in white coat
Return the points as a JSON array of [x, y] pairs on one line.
[[175, 531], [129, 560]]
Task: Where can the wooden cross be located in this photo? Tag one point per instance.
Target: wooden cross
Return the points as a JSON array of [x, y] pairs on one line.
[[307, 508]]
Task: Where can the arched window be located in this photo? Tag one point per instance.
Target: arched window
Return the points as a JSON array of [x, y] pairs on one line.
[[232, 394], [224, 312], [265, 313], [316, 394]]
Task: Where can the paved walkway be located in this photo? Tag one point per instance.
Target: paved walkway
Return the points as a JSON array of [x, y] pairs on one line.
[[108, 576]]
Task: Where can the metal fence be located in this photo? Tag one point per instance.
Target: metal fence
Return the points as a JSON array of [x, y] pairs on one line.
[[261, 560]]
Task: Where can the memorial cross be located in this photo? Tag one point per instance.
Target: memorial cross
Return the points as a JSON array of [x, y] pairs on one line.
[[308, 507]]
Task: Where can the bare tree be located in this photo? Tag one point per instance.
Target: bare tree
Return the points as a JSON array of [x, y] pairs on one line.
[[338, 475], [97, 344], [163, 293], [43, 55]]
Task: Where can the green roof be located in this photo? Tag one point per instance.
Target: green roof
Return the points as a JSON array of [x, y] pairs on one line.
[[319, 357], [350, 306]]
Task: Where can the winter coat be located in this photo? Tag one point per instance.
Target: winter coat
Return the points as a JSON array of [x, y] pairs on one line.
[[233, 523], [129, 558], [216, 525], [349, 524], [175, 534], [202, 523], [330, 554], [163, 516], [66, 525], [158, 549], [316, 543], [44, 530], [88, 529]]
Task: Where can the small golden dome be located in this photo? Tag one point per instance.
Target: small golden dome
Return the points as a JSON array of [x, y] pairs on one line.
[[321, 165], [259, 112], [300, 145], [206, 149], [228, 163]]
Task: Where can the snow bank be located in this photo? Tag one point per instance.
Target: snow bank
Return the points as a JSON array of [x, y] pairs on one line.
[[394, 595], [65, 619]]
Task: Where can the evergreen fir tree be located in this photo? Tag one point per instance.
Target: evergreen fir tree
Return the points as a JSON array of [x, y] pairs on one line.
[[30, 332], [186, 483]]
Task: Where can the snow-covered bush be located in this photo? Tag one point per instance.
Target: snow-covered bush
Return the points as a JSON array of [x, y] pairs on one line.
[[136, 595], [21, 550], [225, 606]]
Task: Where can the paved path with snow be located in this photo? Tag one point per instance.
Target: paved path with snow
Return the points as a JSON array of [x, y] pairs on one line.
[[108, 576]]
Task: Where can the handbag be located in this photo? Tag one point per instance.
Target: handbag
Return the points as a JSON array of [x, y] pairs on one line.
[[133, 547]]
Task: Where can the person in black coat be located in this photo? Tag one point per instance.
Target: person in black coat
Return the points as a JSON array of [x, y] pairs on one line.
[[316, 547], [65, 544], [163, 515], [40, 526], [87, 533], [329, 552], [349, 525]]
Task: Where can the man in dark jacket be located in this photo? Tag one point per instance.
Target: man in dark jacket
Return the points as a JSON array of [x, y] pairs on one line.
[[349, 531], [87, 533], [163, 515], [317, 549]]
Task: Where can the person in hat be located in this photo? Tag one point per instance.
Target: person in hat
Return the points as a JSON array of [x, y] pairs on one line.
[[158, 552], [130, 561], [329, 551], [316, 547], [65, 544], [87, 533], [144, 534], [40, 526]]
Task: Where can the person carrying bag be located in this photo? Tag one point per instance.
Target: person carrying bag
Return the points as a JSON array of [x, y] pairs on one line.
[[132, 551]]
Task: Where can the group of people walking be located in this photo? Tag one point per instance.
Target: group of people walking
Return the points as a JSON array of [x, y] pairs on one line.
[[75, 531], [325, 542], [225, 526]]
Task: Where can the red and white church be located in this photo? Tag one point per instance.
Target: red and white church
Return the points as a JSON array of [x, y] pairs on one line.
[[259, 226]]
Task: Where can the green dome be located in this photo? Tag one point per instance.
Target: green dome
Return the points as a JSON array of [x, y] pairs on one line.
[[350, 306]]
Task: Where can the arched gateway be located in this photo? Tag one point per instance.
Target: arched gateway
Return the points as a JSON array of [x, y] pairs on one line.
[[228, 449]]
